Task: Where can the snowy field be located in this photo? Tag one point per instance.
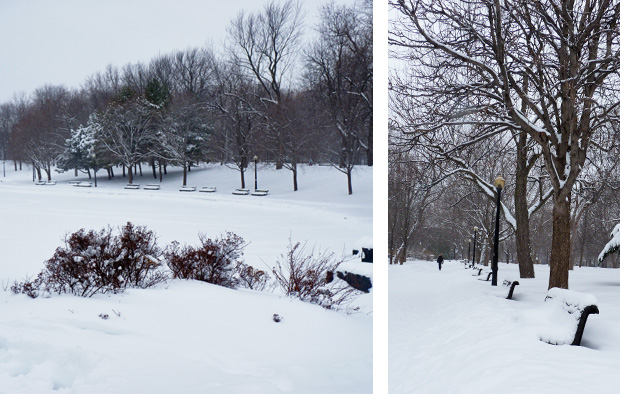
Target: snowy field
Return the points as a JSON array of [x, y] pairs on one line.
[[451, 333], [184, 336]]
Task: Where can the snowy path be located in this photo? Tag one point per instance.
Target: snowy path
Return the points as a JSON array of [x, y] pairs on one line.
[[451, 333]]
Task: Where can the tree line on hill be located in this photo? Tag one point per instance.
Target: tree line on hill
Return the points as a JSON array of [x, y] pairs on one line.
[[262, 96]]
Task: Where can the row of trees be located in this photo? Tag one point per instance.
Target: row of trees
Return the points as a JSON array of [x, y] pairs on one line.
[[529, 90], [261, 96]]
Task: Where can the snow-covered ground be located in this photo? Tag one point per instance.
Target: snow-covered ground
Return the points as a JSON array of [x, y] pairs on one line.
[[451, 333], [184, 336]]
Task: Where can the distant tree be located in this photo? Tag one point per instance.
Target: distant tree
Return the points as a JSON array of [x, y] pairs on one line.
[[184, 134], [127, 128]]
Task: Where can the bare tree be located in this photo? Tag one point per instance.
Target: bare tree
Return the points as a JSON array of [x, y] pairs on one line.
[[266, 45], [127, 128], [340, 68]]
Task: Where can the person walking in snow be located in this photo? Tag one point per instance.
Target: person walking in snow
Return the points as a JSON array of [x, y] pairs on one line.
[[439, 261]]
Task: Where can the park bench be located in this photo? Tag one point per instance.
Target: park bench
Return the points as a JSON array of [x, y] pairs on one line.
[[260, 192], [479, 271], [152, 186], [511, 286], [132, 186], [39, 183], [50, 183], [568, 312], [187, 189], [83, 184], [241, 192], [74, 183], [489, 274], [208, 189]]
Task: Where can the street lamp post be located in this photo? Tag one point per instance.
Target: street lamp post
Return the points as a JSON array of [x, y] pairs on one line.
[[255, 173], [499, 185], [468, 249], [473, 260]]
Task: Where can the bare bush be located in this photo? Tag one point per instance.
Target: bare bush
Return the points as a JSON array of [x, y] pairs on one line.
[[252, 278], [302, 273], [213, 261]]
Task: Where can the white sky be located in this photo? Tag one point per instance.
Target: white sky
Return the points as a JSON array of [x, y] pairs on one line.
[[62, 42]]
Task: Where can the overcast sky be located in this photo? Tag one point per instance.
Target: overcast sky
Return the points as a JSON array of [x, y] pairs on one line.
[[62, 42]]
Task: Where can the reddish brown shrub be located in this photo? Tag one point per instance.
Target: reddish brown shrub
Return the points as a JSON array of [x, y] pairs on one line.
[[99, 262], [213, 261]]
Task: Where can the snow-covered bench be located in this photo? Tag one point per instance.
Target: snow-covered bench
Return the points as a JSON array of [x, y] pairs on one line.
[[83, 184], [187, 189], [260, 192], [511, 286], [241, 192], [132, 186], [567, 311], [74, 183], [479, 271], [208, 189], [152, 186]]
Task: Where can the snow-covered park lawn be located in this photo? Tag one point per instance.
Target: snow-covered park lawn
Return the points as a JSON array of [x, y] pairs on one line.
[[184, 336], [451, 333]]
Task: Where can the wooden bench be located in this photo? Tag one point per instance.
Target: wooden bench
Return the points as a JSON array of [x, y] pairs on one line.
[[241, 192], [568, 314], [187, 189], [83, 184], [511, 285], [260, 192], [151, 186], [479, 271], [208, 189], [132, 186]]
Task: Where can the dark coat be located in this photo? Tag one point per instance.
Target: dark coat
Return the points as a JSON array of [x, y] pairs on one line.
[[440, 259]]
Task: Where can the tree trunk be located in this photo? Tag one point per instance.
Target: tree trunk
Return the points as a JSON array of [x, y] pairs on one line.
[[295, 178], [242, 171], [160, 173], [154, 169], [349, 184], [130, 173], [123, 171], [522, 232], [560, 244], [369, 144], [140, 167], [184, 173]]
